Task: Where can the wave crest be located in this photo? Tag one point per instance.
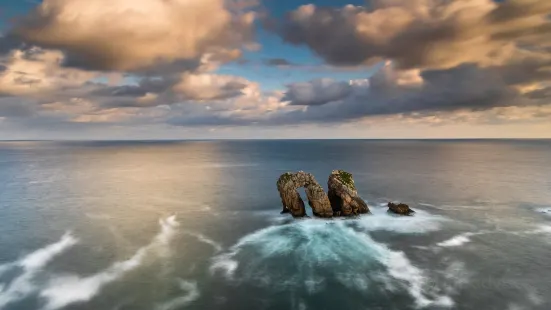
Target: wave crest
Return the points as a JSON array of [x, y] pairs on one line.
[[317, 255]]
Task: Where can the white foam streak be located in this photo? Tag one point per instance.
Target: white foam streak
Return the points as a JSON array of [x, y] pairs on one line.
[[546, 211], [192, 294], [399, 267], [225, 264], [23, 285], [380, 220], [458, 240], [202, 238], [40, 258], [64, 290], [543, 229]]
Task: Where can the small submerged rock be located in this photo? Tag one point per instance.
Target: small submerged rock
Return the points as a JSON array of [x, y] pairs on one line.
[[400, 208]]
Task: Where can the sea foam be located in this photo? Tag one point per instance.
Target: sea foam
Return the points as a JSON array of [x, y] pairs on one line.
[[303, 254], [458, 240], [191, 294], [63, 290], [23, 285], [381, 220]]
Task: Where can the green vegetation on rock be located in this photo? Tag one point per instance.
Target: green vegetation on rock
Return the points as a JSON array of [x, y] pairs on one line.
[[286, 177], [346, 179]]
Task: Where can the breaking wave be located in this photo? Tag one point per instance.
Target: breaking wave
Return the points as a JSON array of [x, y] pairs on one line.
[[30, 265], [66, 289], [314, 255], [381, 220]]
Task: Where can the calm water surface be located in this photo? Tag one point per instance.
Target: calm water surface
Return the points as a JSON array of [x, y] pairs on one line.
[[196, 225]]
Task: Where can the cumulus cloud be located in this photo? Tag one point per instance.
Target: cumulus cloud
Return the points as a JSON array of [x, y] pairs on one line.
[[252, 107], [149, 63], [209, 86], [316, 92], [37, 71], [419, 33], [391, 91], [136, 34]]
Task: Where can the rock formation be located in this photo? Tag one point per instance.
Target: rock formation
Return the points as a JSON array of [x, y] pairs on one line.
[[287, 186], [343, 195], [400, 208]]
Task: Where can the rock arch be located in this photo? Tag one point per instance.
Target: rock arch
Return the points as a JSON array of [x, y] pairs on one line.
[[287, 186]]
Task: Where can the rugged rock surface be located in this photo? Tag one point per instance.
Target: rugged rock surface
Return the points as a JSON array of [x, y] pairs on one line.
[[287, 186], [400, 208], [343, 195]]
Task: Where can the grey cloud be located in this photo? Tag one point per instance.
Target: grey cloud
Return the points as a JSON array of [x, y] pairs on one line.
[[209, 120], [543, 93], [8, 43], [388, 92], [11, 107], [328, 33], [278, 62], [316, 92], [533, 68], [120, 91], [418, 34]]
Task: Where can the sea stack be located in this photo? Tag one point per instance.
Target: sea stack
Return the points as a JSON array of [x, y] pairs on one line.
[[287, 186], [400, 208], [344, 196]]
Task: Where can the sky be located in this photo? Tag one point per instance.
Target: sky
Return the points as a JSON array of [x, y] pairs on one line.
[[274, 69]]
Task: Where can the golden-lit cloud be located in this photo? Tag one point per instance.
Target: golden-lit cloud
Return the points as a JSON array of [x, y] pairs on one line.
[[135, 34], [164, 63], [420, 33], [205, 86], [38, 72]]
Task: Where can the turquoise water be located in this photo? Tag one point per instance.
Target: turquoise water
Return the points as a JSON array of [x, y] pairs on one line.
[[196, 225]]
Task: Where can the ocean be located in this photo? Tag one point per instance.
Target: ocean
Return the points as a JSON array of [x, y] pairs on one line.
[[174, 225]]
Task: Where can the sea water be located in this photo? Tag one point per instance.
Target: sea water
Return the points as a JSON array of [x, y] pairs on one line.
[[196, 225]]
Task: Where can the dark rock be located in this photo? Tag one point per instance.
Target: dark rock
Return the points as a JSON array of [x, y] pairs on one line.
[[400, 208], [343, 195], [287, 186]]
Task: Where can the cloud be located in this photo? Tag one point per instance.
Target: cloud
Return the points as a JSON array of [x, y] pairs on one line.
[[419, 33], [391, 91], [543, 93], [316, 92], [252, 107], [278, 62], [209, 86], [463, 94], [36, 72], [136, 34], [138, 64], [12, 107]]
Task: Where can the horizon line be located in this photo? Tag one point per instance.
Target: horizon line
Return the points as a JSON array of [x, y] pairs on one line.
[[261, 139]]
